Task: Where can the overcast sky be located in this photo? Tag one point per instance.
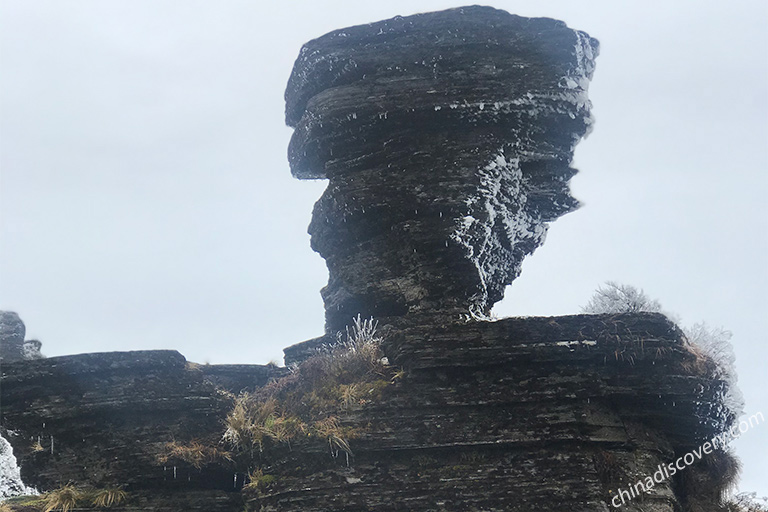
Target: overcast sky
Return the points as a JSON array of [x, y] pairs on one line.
[[147, 202]]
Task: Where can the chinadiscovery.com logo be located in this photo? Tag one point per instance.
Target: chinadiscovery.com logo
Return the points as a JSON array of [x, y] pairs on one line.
[[665, 472]]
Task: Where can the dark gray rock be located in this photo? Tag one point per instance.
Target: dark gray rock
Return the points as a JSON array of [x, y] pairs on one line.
[[13, 347], [103, 418], [550, 413], [12, 332], [447, 140]]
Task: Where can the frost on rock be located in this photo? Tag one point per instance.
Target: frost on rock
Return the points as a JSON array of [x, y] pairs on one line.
[[13, 347], [10, 473], [716, 344], [499, 228], [447, 146]]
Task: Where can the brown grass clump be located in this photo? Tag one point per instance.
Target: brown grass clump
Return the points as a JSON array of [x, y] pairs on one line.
[[258, 482], [696, 362], [105, 498], [194, 453], [311, 401], [64, 498], [251, 421], [331, 429]]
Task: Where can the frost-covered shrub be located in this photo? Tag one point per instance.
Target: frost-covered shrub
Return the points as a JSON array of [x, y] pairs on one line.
[[31, 350], [310, 402], [710, 346], [715, 343], [620, 298], [747, 502]]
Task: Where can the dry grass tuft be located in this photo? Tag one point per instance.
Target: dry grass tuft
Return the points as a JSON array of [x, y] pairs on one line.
[[194, 453], [64, 498], [307, 403], [258, 481], [108, 497], [337, 435], [696, 361]]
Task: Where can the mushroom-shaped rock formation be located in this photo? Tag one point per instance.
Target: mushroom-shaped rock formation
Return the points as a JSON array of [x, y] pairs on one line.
[[447, 140]]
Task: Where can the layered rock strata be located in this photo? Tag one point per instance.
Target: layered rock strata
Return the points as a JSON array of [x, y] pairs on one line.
[[103, 420], [446, 139], [557, 413], [515, 415]]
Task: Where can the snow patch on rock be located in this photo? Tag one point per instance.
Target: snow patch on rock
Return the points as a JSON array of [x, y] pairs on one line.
[[496, 224], [10, 473]]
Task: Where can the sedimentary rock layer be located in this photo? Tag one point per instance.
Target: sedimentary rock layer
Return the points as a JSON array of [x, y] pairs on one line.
[[521, 414], [447, 140], [103, 419]]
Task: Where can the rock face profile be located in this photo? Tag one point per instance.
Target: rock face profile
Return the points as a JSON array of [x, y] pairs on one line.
[[446, 139]]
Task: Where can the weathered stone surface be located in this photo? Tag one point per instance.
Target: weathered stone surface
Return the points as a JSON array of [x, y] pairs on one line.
[[12, 332], [513, 415], [102, 419], [447, 140], [13, 346], [520, 414]]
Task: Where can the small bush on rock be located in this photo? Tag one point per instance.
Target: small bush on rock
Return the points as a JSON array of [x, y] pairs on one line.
[[64, 498], [105, 498], [310, 403]]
